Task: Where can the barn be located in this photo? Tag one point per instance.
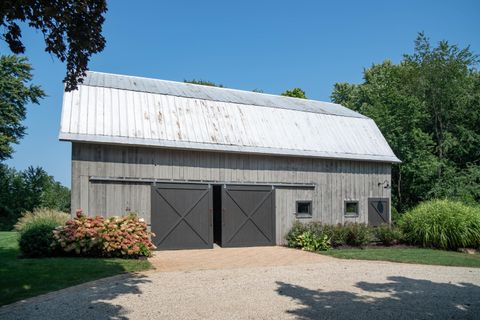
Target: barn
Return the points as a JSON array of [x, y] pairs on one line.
[[205, 165]]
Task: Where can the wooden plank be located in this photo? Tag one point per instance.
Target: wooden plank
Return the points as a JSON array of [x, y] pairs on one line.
[[84, 187]]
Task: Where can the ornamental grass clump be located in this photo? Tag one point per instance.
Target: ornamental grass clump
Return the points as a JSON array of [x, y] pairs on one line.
[[36, 232], [41, 216], [124, 237], [442, 224]]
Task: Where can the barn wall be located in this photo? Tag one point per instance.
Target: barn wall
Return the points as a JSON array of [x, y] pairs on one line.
[[336, 180]]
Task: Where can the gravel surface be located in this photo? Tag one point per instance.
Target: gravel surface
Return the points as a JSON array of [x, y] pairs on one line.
[[336, 289]]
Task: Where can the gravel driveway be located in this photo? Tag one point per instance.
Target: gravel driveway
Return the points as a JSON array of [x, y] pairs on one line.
[[329, 289]]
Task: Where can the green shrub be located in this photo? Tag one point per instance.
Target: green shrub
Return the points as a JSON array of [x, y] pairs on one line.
[[310, 241], [396, 216], [338, 234], [36, 241], [41, 216], [296, 230], [443, 224], [352, 234], [308, 236], [388, 235], [36, 231], [319, 231], [358, 234]]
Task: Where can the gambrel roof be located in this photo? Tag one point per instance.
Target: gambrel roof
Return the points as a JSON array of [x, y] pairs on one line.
[[118, 109]]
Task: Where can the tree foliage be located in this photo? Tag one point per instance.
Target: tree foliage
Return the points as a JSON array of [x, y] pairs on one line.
[[22, 191], [72, 30], [428, 108], [15, 93], [295, 93], [204, 83]]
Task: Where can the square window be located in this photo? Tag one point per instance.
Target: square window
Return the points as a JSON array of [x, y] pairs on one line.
[[351, 208], [304, 209]]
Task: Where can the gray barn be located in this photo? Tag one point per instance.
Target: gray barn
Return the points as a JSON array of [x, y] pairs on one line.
[[206, 165]]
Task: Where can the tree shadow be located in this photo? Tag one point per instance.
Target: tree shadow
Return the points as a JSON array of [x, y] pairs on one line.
[[400, 298], [86, 301]]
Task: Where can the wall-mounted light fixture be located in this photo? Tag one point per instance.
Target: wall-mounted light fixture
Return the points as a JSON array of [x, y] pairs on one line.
[[385, 184]]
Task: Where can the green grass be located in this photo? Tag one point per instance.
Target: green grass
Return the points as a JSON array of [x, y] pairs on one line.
[[23, 278], [409, 255]]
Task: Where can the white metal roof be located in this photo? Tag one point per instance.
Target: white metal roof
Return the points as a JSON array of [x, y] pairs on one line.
[[119, 109]]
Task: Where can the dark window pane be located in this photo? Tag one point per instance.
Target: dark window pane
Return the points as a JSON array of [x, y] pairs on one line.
[[304, 207], [380, 207], [351, 208]]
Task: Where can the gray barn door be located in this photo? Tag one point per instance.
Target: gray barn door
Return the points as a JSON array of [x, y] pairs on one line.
[[181, 217], [378, 211], [248, 216]]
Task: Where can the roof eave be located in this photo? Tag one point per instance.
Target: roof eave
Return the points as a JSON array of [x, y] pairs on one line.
[[186, 145]]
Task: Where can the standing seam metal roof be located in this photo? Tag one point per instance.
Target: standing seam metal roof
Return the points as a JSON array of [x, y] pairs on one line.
[[188, 90], [119, 109]]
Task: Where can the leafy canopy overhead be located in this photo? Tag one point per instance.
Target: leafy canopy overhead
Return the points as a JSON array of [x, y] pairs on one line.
[[72, 30], [295, 93], [15, 94], [428, 108]]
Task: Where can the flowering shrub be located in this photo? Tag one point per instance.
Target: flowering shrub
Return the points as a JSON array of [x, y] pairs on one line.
[[125, 236]]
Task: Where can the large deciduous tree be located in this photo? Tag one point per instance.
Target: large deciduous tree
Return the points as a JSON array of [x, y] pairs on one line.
[[72, 30], [428, 108], [15, 93]]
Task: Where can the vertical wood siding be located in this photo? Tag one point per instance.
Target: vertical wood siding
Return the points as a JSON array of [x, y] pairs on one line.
[[336, 180]]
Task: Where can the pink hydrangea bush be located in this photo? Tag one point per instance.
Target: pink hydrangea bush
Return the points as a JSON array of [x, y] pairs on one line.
[[125, 236]]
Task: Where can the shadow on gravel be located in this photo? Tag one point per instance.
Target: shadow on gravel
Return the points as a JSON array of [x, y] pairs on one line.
[[90, 301], [400, 298]]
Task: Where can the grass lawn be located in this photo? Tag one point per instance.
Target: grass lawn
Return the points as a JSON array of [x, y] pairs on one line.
[[23, 278], [409, 255]]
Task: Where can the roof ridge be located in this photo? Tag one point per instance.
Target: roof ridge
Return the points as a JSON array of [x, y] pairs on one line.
[[216, 88], [299, 104]]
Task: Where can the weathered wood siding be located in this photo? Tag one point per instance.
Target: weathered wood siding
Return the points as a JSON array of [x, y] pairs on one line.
[[336, 180]]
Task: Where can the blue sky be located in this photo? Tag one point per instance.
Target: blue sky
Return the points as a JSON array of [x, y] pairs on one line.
[[267, 45]]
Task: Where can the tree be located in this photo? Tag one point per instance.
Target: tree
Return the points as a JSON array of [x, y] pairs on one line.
[[295, 93], [22, 191], [72, 30], [41, 190], [428, 108], [15, 93], [204, 83]]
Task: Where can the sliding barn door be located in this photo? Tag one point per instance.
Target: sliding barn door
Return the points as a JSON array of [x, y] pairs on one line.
[[181, 216], [248, 216]]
